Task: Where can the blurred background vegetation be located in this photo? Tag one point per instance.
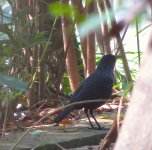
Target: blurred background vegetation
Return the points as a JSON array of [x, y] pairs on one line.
[[48, 47]]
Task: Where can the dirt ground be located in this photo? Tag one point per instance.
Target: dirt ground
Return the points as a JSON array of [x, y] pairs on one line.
[[77, 134]]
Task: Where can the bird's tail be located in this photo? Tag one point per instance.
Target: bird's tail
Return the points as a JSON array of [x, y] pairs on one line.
[[63, 114]]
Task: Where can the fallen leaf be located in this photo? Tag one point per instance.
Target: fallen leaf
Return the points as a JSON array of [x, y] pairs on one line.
[[104, 117]]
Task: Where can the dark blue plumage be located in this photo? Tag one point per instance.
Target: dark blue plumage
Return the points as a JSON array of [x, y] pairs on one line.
[[96, 86]]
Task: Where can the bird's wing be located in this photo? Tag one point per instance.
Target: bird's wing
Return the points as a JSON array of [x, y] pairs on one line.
[[94, 87], [73, 96]]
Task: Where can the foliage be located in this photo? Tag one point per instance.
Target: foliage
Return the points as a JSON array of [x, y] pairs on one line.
[[58, 9], [16, 44], [12, 82]]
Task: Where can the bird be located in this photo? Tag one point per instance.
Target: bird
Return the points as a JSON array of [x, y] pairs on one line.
[[97, 86]]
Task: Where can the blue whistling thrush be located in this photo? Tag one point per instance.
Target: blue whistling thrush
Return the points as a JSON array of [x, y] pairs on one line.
[[97, 86]]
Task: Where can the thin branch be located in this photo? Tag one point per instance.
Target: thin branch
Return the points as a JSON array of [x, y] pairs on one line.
[[138, 42], [4, 124]]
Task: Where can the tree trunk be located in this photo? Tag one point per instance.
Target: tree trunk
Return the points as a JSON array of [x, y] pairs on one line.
[[136, 132], [90, 45], [104, 28], [41, 55], [71, 62], [83, 41]]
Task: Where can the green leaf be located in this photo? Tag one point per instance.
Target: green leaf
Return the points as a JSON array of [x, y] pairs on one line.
[[88, 2], [13, 82], [59, 9], [92, 23]]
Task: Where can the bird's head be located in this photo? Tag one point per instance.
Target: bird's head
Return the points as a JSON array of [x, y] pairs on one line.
[[107, 61]]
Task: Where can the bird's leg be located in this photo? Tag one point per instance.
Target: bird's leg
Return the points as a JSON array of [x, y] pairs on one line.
[[99, 127], [86, 112]]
